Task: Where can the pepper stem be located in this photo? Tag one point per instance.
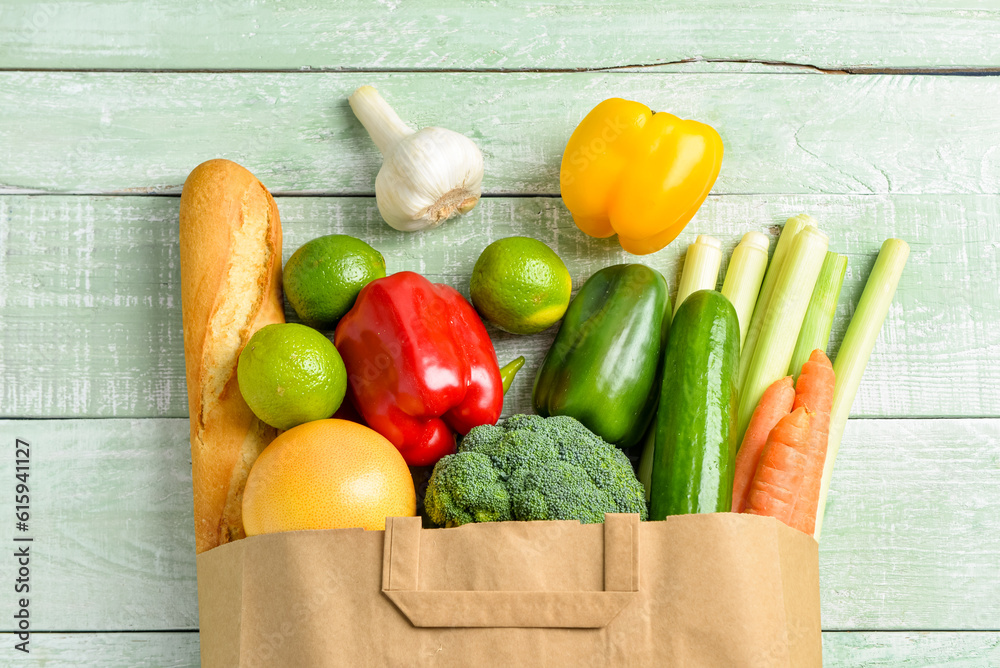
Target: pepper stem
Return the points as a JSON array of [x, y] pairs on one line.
[[384, 125], [508, 372]]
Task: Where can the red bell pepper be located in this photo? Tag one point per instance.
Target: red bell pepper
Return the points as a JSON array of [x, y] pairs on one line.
[[420, 365]]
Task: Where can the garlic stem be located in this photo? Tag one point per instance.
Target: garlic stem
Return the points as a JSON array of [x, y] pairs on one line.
[[380, 120]]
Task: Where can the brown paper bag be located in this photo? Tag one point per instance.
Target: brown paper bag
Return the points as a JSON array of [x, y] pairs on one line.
[[695, 590]]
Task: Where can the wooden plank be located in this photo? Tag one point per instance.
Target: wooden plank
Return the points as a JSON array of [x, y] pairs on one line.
[[90, 320], [112, 524], [557, 34], [143, 133], [908, 649], [915, 544], [179, 649], [911, 539]]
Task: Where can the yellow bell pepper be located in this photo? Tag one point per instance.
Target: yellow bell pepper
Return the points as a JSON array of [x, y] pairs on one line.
[[641, 175]]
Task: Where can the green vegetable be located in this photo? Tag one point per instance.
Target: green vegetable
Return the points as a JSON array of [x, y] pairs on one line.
[[694, 455], [781, 320], [602, 368], [856, 348], [466, 488], [701, 267], [532, 468], [792, 227], [644, 472], [816, 326], [744, 276], [508, 372]]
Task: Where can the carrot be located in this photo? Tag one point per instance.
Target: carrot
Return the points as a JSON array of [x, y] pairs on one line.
[[774, 404], [778, 480], [814, 392]]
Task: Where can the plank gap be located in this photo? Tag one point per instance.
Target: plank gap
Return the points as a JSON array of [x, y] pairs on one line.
[[781, 67], [93, 632]]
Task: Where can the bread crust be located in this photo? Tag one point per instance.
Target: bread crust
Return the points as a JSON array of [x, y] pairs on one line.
[[230, 250]]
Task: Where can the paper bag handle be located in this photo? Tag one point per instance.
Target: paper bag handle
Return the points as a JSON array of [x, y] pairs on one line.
[[526, 609]]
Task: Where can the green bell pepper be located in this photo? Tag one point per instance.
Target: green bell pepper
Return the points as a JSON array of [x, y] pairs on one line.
[[603, 367]]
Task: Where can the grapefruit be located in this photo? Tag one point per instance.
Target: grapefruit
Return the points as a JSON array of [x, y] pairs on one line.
[[327, 474]]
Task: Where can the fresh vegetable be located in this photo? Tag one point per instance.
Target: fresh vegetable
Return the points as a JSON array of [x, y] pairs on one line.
[[644, 472], [780, 463], [509, 370], [427, 176], [701, 267], [641, 175], [776, 485], [420, 365], [814, 392], [818, 321], [695, 447], [602, 367], [520, 285], [792, 227], [775, 403], [856, 348], [744, 276], [532, 468], [782, 319]]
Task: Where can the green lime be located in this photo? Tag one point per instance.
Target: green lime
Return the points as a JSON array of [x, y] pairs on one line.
[[290, 374], [520, 285], [324, 276]]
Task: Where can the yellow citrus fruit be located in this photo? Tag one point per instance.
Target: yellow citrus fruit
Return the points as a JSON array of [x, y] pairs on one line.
[[323, 277], [520, 285], [327, 474], [290, 374]]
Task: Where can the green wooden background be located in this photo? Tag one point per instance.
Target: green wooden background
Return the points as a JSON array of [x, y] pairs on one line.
[[879, 119]]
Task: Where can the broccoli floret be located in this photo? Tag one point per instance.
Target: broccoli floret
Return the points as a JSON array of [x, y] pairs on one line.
[[533, 468], [466, 488], [558, 490]]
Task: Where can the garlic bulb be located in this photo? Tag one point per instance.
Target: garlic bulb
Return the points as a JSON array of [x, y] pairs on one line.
[[427, 176]]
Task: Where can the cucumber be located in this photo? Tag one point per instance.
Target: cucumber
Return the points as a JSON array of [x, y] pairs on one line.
[[694, 455]]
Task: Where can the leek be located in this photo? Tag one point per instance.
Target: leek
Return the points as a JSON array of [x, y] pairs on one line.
[[782, 319], [792, 227], [701, 268], [744, 276], [816, 326], [859, 340]]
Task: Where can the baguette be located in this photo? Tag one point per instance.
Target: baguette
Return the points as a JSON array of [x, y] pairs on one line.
[[230, 251]]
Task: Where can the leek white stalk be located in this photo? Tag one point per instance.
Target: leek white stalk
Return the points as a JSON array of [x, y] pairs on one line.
[[852, 358], [701, 268], [427, 176], [816, 326], [744, 276], [782, 319], [792, 227]]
